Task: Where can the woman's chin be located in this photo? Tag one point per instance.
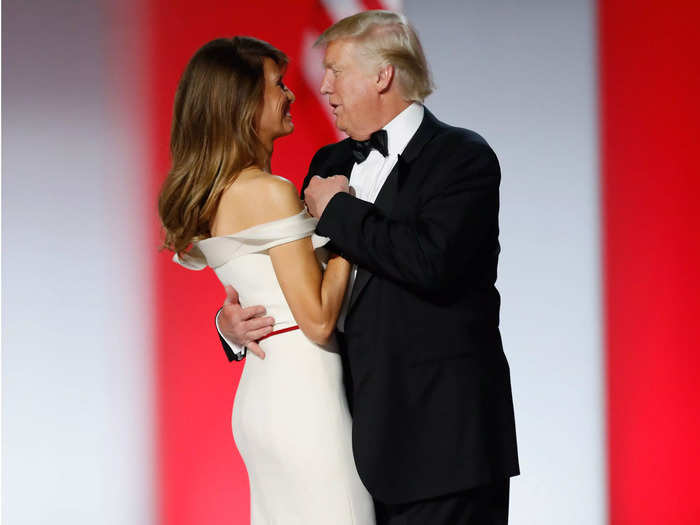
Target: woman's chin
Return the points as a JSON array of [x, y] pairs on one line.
[[286, 130]]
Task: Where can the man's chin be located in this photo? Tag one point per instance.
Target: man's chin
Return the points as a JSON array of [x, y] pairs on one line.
[[340, 125]]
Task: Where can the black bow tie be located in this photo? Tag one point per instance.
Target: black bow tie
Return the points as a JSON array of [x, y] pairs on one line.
[[377, 140]]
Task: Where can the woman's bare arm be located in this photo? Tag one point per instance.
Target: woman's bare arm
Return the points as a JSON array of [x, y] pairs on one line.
[[315, 297]]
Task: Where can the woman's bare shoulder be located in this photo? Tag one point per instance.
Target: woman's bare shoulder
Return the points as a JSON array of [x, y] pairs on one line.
[[254, 198], [270, 194]]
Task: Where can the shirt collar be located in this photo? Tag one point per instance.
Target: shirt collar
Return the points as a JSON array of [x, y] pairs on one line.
[[402, 127]]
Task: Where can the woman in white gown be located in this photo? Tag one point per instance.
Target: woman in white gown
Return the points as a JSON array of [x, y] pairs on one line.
[[220, 207]]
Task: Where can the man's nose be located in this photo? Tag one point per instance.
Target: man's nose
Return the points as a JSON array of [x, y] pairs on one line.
[[326, 87], [291, 96]]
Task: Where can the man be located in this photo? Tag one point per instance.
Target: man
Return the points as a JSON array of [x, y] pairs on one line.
[[428, 383]]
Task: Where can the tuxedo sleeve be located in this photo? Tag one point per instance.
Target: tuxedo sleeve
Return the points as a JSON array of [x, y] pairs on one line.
[[315, 169], [457, 214]]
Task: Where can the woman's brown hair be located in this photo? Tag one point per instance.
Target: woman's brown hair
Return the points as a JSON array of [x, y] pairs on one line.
[[213, 135]]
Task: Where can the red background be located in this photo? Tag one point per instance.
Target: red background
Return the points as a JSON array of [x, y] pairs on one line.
[[650, 130], [200, 477]]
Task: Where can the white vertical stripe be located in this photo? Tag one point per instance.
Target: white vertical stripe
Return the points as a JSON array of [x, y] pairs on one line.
[[392, 5], [523, 74], [338, 9], [312, 58], [312, 69], [76, 352]]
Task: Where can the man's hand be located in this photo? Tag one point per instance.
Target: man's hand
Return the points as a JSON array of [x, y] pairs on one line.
[[320, 191], [244, 326]]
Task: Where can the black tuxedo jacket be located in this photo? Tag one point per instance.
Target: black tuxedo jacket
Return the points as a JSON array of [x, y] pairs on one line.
[[431, 395], [430, 384]]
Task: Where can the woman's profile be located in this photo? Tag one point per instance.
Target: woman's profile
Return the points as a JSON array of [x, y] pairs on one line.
[[221, 207]]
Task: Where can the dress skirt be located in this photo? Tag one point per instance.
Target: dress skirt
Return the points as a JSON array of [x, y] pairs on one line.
[[293, 429]]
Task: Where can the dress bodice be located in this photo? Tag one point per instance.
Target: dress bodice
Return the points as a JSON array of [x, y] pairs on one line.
[[243, 261]]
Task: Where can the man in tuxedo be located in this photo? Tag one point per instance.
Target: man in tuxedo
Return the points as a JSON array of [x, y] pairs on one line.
[[427, 379]]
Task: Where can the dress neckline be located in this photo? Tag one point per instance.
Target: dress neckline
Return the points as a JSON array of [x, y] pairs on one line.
[[246, 230]]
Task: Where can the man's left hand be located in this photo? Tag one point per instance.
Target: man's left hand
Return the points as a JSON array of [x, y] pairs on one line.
[[320, 191]]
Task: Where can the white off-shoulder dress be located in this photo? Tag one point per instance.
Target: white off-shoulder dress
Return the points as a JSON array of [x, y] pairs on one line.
[[290, 416]]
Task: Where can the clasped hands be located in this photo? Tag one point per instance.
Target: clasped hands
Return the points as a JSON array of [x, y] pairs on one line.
[[244, 326], [320, 191]]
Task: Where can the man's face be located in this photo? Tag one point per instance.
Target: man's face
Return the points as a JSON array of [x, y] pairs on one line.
[[351, 89]]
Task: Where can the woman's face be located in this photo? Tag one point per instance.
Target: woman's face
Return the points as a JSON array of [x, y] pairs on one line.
[[275, 120]]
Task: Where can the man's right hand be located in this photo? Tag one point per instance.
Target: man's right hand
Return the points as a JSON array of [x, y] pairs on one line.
[[244, 326]]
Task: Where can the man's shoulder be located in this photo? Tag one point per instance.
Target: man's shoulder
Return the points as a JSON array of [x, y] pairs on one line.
[[449, 133], [454, 144], [333, 150]]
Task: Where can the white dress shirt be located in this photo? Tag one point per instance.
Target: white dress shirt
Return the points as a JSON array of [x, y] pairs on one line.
[[367, 179]]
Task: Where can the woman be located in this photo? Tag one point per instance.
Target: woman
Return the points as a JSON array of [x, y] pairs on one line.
[[290, 417]]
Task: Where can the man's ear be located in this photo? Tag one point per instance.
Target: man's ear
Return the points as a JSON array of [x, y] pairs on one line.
[[384, 78]]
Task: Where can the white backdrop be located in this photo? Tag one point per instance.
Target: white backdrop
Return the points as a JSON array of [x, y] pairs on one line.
[[523, 74], [77, 422]]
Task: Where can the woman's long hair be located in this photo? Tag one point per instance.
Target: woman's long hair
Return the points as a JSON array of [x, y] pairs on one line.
[[213, 135]]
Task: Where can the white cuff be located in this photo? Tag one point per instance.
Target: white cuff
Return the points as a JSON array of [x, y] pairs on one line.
[[236, 349]]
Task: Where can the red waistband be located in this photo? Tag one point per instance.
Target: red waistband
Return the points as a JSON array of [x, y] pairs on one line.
[[277, 332]]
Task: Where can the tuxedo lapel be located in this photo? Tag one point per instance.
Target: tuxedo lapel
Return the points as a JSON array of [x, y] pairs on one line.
[[389, 192], [387, 195], [425, 132], [385, 202]]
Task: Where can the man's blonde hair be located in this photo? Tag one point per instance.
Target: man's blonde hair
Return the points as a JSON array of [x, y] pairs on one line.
[[387, 38]]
